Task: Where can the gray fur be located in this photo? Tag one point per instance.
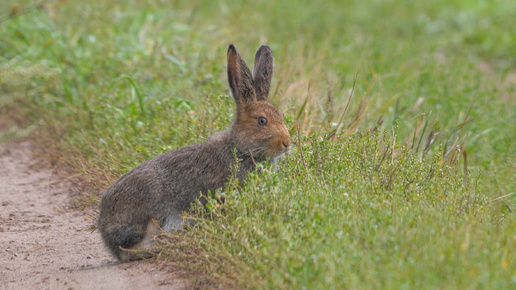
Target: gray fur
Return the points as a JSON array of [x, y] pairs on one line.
[[164, 187]]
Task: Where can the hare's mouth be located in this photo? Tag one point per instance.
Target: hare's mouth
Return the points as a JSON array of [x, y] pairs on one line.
[[278, 153], [260, 154]]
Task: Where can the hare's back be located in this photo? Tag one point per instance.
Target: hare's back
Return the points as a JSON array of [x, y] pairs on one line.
[[188, 171]]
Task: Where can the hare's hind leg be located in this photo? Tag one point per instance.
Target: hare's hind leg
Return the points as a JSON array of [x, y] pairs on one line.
[[175, 222], [172, 223], [133, 253]]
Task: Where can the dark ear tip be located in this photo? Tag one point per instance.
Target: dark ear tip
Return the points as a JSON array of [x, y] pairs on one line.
[[231, 48], [264, 48]]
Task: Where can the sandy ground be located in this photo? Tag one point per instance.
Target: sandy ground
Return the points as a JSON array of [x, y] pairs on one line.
[[45, 244]]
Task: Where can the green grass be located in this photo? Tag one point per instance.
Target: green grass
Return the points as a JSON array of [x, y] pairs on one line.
[[116, 82], [357, 225]]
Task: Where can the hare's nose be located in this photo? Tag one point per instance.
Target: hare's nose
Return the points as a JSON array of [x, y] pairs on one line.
[[286, 144]]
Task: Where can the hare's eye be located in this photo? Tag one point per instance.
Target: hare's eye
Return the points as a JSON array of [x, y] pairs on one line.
[[262, 121]]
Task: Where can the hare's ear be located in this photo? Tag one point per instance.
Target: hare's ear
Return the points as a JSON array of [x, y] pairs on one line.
[[240, 78], [262, 72]]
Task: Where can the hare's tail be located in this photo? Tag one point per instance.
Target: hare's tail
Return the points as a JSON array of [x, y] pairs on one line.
[[121, 237]]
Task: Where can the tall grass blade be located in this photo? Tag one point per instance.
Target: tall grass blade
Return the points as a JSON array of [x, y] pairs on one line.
[[138, 95]]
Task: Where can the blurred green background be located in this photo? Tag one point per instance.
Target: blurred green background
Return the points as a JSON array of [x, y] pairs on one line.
[[113, 83]]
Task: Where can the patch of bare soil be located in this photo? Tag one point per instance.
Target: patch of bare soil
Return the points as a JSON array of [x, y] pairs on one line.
[[46, 244]]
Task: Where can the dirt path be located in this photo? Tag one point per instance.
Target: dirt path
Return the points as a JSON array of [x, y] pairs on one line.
[[46, 245]]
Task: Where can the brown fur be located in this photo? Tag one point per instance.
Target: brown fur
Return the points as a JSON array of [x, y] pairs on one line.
[[162, 188]]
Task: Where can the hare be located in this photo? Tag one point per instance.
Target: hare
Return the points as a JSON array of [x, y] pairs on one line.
[[155, 193]]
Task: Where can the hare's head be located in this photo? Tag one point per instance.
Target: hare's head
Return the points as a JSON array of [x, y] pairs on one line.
[[259, 128]]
